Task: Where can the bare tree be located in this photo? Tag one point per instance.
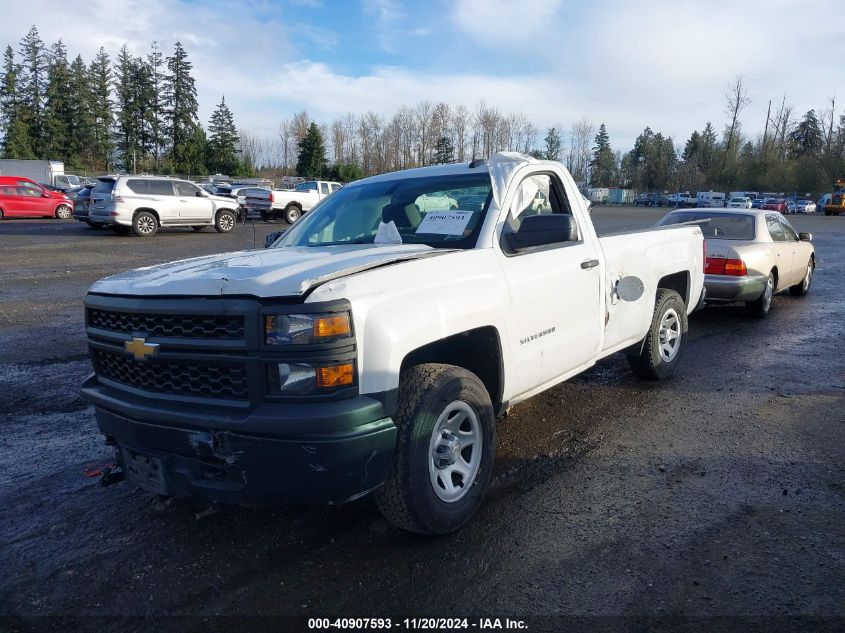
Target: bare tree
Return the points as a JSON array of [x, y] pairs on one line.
[[460, 122], [737, 99], [581, 150]]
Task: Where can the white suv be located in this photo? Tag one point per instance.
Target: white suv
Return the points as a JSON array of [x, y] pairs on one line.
[[143, 204]]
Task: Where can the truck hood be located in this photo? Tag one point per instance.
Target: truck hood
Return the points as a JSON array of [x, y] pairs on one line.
[[271, 272]]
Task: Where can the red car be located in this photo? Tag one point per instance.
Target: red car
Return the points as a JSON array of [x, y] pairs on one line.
[[774, 204], [23, 198]]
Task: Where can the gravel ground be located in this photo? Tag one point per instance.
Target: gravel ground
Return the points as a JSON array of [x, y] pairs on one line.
[[714, 501]]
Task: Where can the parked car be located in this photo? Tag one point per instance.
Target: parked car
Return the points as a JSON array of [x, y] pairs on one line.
[[82, 207], [144, 204], [647, 200], [774, 204], [805, 206], [372, 347], [290, 204], [823, 202], [751, 256], [739, 203], [709, 199], [682, 200], [23, 198], [757, 203]]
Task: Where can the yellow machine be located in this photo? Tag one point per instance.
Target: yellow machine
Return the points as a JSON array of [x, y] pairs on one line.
[[836, 204]]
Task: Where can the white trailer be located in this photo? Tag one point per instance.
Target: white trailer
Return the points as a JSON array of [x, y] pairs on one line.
[[45, 172]]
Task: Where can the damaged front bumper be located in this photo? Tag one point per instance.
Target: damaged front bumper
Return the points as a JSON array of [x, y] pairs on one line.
[[325, 454]]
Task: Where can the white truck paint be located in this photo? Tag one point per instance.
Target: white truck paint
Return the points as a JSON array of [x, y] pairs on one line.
[[555, 308]]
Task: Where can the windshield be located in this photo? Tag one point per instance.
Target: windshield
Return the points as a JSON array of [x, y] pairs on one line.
[[724, 226], [441, 211]]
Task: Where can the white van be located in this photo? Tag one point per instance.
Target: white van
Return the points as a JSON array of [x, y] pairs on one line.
[[710, 199]]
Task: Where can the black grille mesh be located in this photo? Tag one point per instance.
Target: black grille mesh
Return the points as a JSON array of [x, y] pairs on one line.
[[206, 379], [169, 325]]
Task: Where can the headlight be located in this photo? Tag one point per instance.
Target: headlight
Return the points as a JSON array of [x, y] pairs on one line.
[[304, 378], [302, 329]]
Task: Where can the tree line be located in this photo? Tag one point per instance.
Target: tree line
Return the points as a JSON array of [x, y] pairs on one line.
[[140, 114], [134, 114]]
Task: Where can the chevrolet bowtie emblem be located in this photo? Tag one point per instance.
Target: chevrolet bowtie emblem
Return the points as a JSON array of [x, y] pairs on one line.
[[140, 349]]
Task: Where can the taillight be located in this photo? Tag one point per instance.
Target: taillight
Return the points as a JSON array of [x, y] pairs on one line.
[[723, 266], [115, 195], [271, 196], [735, 267]]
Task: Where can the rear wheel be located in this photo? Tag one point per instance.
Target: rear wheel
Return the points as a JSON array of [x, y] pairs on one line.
[[664, 344], [292, 213], [144, 224], [759, 308], [225, 221], [445, 449], [63, 212], [802, 288]]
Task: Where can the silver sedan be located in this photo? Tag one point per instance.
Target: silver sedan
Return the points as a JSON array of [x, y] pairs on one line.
[[751, 255]]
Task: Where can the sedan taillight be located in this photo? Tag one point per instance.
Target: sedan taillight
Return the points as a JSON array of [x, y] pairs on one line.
[[725, 266]]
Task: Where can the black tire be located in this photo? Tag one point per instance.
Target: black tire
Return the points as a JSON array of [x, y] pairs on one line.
[[760, 307], [225, 221], [408, 498], [1, 214], [63, 212], [144, 224], [803, 287], [265, 217], [198, 228], [292, 213], [658, 357]]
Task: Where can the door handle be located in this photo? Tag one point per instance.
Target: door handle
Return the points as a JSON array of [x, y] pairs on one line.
[[589, 263]]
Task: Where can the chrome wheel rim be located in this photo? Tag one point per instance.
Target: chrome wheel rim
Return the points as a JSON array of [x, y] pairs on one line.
[[146, 225], [226, 222], [669, 335], [293, 216], [768, 293], [808, 276], [63, 213], [455, 451]]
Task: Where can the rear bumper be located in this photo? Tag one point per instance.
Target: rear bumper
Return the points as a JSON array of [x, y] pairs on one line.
[[235, 460], [727, 288]]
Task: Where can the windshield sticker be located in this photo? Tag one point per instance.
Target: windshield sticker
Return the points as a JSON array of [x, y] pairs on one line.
[[445, 222]]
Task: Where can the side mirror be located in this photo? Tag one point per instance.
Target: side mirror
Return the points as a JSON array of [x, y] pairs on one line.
[[805, 237], [543, 229], [45, 194], [272, 237]]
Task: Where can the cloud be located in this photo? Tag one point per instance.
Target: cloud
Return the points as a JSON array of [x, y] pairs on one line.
[[501, 22]]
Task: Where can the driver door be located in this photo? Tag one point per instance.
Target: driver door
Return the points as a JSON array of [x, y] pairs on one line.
[[554, 321], [191, 202]]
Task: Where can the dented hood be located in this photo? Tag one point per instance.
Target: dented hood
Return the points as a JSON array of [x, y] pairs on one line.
[[271, 272]]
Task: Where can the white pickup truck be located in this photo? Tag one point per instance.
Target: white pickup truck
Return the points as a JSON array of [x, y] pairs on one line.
[[372, 347], [290, 204]]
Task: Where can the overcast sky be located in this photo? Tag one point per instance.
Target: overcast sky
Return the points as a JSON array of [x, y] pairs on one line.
[[666, 64]]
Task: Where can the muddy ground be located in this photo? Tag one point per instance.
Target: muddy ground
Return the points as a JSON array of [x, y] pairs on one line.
[[715, 500]]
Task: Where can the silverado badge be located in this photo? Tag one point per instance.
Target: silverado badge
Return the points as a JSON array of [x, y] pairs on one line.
[[140, 349]]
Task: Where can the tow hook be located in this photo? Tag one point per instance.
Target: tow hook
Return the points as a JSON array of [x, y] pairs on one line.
[[112, 476]]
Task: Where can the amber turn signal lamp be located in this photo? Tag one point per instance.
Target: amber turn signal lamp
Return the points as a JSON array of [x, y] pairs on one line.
[[332, 326], [335, 376]]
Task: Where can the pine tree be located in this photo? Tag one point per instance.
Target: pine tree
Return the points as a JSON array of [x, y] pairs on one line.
[[155, 117], [444, 151], [603, 163], [194, 152], [130, 93], [57, 108], [15, 130], [81, 127], [312, 161], [101, 107], [707, 158], [692, 149], [180, 106], [32, 86], [552, 145], [222, 140], [806, 139]]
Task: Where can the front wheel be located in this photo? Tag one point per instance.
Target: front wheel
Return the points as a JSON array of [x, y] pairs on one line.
[[292, 213], [63, 212], [802, 288], [760, 307], [664, 344], [445, 448], [225, 221]]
